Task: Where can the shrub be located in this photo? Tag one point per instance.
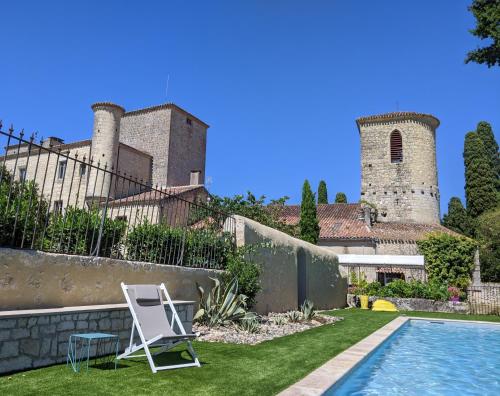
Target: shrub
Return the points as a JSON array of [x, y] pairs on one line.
[[412, 289], [77, 232], [170, 245], [21, 208], [250, 325], [240, 265], [488, 233], [307, 310], [294, 316], [449, 259]]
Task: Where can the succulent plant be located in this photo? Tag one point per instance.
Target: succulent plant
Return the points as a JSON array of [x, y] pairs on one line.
[[222, 305], [280, 320], [294, 316], [250, 325], [307, 310]]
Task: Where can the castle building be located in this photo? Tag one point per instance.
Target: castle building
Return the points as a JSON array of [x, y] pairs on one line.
[[162, 146], [399, 202]]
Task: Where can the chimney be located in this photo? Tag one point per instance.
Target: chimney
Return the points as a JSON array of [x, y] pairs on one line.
[[367, 215]]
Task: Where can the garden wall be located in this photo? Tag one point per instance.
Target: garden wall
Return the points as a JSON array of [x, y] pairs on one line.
[[292, 270], [420, 304], [32, 279], [39, 337]]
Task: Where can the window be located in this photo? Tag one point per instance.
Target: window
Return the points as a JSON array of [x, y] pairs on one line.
[[58, 205], [83, 169], [62, 169], [385, 278], [195, 178], [396, 147], [189, 121], [22, 174]]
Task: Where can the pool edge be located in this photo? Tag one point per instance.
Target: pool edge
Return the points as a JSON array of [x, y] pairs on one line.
[[324, 377], [336, 369]]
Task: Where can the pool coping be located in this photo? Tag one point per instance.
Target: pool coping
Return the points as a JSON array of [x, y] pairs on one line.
[[324, 377]]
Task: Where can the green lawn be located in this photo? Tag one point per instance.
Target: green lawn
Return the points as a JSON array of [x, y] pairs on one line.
[[227, 369]]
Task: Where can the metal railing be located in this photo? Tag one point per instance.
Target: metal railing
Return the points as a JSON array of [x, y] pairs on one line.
[[484, 299], [57, 198]]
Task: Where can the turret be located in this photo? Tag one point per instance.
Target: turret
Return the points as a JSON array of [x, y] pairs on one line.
[[104, 149]]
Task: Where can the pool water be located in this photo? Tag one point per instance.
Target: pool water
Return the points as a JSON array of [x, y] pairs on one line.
[[430, 358]]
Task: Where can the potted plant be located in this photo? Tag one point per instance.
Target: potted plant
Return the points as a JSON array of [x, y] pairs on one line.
[[454, 293]]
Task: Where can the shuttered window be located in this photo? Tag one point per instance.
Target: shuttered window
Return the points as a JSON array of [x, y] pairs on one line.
[[396, 147]]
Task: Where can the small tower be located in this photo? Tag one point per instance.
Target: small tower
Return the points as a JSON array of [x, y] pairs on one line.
[[398, 166], [104, 149]]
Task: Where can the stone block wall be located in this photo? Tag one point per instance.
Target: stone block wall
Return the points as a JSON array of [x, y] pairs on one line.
[[37, 338], [407, 191]]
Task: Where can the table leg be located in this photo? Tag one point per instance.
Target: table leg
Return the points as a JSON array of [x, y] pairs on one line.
[[88, 354], [116, 352]]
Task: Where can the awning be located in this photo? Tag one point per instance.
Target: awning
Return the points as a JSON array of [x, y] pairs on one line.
[[381, 259]]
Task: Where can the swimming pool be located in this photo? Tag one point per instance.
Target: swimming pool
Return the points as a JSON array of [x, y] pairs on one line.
[[428, 357]]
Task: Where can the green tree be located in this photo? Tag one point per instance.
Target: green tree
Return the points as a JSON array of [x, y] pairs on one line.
[[308, 224], [491, 146], [322, 193], [340, 198], [457, 219], [448, 259], [251, 207], [480, 183], [488, 234], [487, 14]]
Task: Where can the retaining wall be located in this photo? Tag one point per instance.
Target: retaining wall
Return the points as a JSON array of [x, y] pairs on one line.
[[39, 337], [32, 279], [292, 269]]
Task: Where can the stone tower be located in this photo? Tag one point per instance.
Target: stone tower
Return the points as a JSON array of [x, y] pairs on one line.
[[104, 149], [398, 166]]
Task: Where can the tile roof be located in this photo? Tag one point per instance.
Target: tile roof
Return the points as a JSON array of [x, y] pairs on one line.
[[156, 195], [346, 221]]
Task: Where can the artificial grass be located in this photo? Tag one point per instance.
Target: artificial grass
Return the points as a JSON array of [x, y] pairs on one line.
[[227, 369]]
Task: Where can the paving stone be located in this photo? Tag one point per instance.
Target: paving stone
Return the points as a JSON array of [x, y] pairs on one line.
[[67, 325], [7, 323], [17, 334], [32, 321], [22, 322], [55, 319], [83, 316], [15, 364], [48, 329], [104, 324], [4, 335], [45, 319], [82, 324], [45, 347]]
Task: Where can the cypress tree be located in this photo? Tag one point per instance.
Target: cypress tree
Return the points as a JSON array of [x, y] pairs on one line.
[[308, 224], [322, 193], [340, 198], [456, 219], [480, 183], [491, 146]]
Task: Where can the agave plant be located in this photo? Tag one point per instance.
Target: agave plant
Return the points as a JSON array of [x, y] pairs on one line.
[[307, 310], [280, 320], [294, 316], [222, 305], [250, 325]]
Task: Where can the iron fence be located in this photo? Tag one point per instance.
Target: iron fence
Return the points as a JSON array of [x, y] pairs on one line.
[[484, 299], [55, 197]]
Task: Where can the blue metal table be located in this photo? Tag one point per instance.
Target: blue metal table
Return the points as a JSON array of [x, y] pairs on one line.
[[79, 348]]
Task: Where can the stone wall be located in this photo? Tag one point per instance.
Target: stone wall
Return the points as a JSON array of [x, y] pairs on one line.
[[292, 270], [36, 338], [31, 279], [420, 304], [406, 191]]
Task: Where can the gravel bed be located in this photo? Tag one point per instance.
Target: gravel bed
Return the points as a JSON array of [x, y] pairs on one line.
[[267, 329]]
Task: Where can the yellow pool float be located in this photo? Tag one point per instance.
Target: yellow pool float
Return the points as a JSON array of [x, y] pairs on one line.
[[384, 305]]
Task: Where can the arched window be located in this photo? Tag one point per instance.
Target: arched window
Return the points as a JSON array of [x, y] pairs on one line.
[[396, 147]]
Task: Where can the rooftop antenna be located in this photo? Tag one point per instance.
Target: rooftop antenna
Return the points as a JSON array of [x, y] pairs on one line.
[[166, 91]]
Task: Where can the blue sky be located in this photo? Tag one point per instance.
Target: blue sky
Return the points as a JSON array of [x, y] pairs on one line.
[[280, 82]]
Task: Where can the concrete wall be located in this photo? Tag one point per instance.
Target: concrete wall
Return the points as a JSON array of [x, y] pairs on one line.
[[349, 247], [292, 269], [32, 279], [406, 191], [37, 338]]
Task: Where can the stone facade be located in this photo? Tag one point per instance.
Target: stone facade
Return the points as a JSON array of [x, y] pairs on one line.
[[405, 191], [37, 338], [175, 139]]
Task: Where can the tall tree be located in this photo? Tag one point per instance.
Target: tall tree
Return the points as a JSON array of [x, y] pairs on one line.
[[480, 183], [340, 198], [491, 146], [308, 224], [488, 234], [457, 219], [322, 193], [487, 14]]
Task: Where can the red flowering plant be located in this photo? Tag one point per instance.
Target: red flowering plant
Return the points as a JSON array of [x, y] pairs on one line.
[[455, 293]]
